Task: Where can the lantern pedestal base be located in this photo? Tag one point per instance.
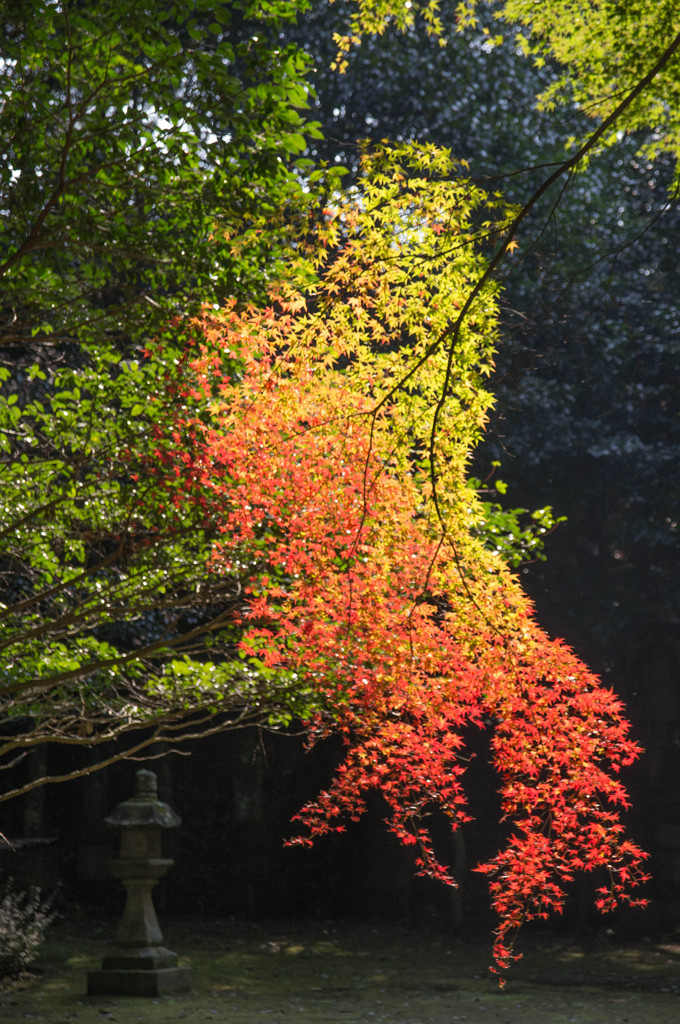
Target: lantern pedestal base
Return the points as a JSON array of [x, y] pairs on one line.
[[152, 971]]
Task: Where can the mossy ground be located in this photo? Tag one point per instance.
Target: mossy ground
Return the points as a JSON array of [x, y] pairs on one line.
[[283, 973]]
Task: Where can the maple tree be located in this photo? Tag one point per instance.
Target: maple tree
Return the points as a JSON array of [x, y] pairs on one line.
[[363, 585], [584, 414]]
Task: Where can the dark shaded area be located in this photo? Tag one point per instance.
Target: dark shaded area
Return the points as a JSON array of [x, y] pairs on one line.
[[304, 973]]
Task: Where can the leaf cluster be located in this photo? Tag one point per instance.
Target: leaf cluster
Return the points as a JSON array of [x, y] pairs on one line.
[[149, 160], [110, 622], [604, 50], [407, 632]]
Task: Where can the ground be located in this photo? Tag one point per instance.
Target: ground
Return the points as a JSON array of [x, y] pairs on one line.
[[281, 973]]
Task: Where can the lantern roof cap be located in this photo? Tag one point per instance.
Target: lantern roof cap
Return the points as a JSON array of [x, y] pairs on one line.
[[144, 809]]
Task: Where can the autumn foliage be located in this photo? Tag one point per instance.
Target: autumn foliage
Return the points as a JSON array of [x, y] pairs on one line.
[[312, 452]]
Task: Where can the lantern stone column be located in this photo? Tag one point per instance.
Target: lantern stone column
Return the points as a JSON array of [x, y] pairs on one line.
[[141, 965]]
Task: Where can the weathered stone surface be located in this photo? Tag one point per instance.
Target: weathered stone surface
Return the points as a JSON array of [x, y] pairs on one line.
[[144, 808], [150, 959], [139, 925], [156, 982]]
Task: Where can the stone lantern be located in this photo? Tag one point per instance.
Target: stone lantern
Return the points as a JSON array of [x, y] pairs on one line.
[[141, 965]]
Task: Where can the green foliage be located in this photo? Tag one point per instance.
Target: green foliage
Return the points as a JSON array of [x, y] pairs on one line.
[[604, 50], [516, 535], [150, 160], [110, 616]]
